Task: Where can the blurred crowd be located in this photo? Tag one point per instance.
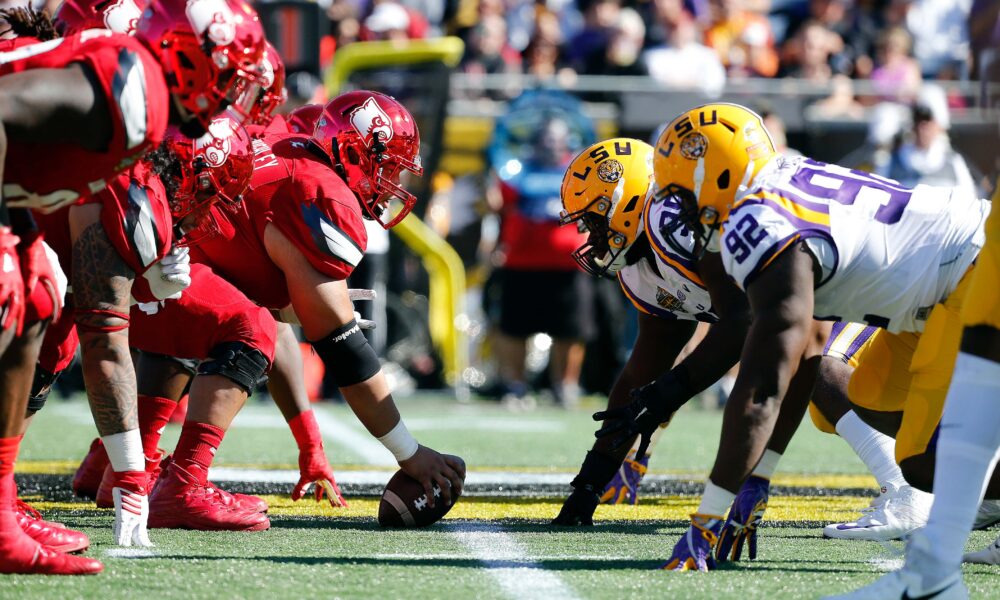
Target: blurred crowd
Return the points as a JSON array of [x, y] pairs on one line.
[[690, 43]]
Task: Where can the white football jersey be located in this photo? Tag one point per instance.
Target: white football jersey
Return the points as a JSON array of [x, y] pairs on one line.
[[668, 285], [888, 253]]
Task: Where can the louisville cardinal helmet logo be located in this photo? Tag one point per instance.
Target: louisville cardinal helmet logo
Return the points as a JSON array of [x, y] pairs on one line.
[[212, 19], [215, 145], [122, 16], [369, 119]]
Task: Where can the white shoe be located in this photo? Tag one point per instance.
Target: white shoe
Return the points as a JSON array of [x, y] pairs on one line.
[[891, 516], [909, 582], [988, 515], [990, 555]]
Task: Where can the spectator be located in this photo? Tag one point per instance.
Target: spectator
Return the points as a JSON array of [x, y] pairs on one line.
[[811, 50], [927, 157], [542, 57], [488, 52], [685, 63], [840, 103], [854, 24], [622, 52], [392, 21], [588, 48], [742, 39], [897, 75], [665, 15], [940, 35]]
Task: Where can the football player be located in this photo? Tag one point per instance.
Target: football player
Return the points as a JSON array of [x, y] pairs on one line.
[[97, 101], [605, 192], [299, 233], [806, 239]]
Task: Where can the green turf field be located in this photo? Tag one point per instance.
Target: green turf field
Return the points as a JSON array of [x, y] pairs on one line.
[[496, 542]]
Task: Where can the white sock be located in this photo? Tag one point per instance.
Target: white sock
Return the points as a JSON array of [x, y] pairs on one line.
[[967, 451], [874, 448], [125, 451], [715, 501], [768, 463]]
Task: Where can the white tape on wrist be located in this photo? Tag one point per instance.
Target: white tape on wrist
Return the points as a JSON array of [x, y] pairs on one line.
[[400, 442], [125, 451]]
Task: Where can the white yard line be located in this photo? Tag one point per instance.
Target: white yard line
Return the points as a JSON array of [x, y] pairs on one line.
[[380, 477], [360, 443], [456, 556], [129, 553], [496, 550]]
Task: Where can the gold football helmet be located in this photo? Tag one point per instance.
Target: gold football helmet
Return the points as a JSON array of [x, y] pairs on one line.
[[705, 158], [603, 193]]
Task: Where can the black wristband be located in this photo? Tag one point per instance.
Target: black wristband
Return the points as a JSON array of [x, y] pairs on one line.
[[348, 355], [596, 471]]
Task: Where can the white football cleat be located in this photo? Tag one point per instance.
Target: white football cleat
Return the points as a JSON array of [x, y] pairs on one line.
[[891, 516], [911, 581], [990, 555], [988, 515]]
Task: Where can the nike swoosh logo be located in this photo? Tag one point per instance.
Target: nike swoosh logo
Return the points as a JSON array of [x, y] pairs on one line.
[[906, 596]]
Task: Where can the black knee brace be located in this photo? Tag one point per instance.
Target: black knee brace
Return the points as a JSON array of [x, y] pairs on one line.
[[40, 388], [241, 364]]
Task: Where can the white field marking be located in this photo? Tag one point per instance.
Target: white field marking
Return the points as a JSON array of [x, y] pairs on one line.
[[508, 562], [360, 443], [129, 553], [500, 425], [442, 556], [885, 565]]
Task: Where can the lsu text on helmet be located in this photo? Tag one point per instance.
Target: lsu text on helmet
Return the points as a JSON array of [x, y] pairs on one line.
[[603, 192]]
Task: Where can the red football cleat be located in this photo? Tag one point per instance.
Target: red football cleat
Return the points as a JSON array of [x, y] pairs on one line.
[[91, 471], [21, 554], [247, 501], [103, 497], [183, 501], [51, 535]]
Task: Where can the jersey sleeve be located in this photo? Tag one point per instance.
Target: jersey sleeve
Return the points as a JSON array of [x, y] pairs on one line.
[[318, 218], [761, 228], [640, 288]]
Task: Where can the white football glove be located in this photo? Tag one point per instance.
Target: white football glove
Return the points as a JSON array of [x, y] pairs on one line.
[[171, 275], [131, 514]]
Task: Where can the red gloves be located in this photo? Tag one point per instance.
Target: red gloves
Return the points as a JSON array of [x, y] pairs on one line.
[[11, 283], [313, 466]]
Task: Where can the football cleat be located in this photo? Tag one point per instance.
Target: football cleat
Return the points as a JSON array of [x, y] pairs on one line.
[[625, 485], [901, 511], [988, 515], [744, 516], [23, 555], [104, 498], [88, 476], [51, 535], [693, 552], [990, 555], [183, 501], [246, 500], [912, 580]]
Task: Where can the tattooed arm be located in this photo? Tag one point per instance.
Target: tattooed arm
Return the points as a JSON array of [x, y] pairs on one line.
[[102, 286]]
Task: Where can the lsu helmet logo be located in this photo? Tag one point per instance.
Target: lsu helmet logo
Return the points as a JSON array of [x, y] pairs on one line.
[[122, 16], [369, 119], [214, 147], [212, 19]]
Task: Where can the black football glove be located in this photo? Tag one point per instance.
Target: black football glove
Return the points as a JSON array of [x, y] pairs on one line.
[[651, 405], [595, 473]]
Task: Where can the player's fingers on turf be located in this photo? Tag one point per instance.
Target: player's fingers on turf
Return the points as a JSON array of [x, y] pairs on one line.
[[300, 489], [738, 545], [445, 484], [752, 545]]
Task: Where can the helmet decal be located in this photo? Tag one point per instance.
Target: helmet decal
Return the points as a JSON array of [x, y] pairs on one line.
[[122, 16], [610, 171], [212, 19], [694, 146], [369, 119], [215, 145]]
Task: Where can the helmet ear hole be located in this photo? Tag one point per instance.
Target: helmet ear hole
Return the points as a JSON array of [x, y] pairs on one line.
[[723, 181]]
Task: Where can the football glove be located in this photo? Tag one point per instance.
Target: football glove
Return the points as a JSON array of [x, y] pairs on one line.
[[11, 283], [693, 552], [171, 275], [651, 405], [625, 485], [131, 508], [40, 265], [579, 507], [741, 526], [314, 469]]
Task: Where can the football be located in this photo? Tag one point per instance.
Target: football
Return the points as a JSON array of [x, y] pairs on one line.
[[404, 504]]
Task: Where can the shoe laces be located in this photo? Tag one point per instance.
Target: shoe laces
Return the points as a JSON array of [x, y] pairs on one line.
[[27, 510]]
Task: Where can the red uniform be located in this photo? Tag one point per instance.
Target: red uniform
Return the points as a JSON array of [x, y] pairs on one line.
[[134, 91], [277, 126], [294, 188], [210, 312]]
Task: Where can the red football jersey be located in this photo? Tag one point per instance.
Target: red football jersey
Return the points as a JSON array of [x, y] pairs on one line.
[[134, 90], [210, 312], [277, 126], [295, 188], [136, 218]]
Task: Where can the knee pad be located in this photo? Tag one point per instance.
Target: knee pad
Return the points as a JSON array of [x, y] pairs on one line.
[[40, 388], [241, 364], [188, 365]]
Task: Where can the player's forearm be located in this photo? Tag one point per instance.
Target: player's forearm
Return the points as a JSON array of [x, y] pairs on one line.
[[285, 380], [372, 403], [110, 379], [716, 354]]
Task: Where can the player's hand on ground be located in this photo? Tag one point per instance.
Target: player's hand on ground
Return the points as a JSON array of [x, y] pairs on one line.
[[131, 509], [432, 469], [578, 509], [693, 552], [315, 470], [741, 526]]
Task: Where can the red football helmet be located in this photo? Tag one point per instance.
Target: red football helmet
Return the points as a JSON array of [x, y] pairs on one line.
[[210, 51], [213, 168], [371, 138], [120, 16], [303, 119], [260, 99]]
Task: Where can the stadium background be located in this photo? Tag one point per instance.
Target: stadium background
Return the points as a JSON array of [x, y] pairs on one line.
[[820, 67]]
